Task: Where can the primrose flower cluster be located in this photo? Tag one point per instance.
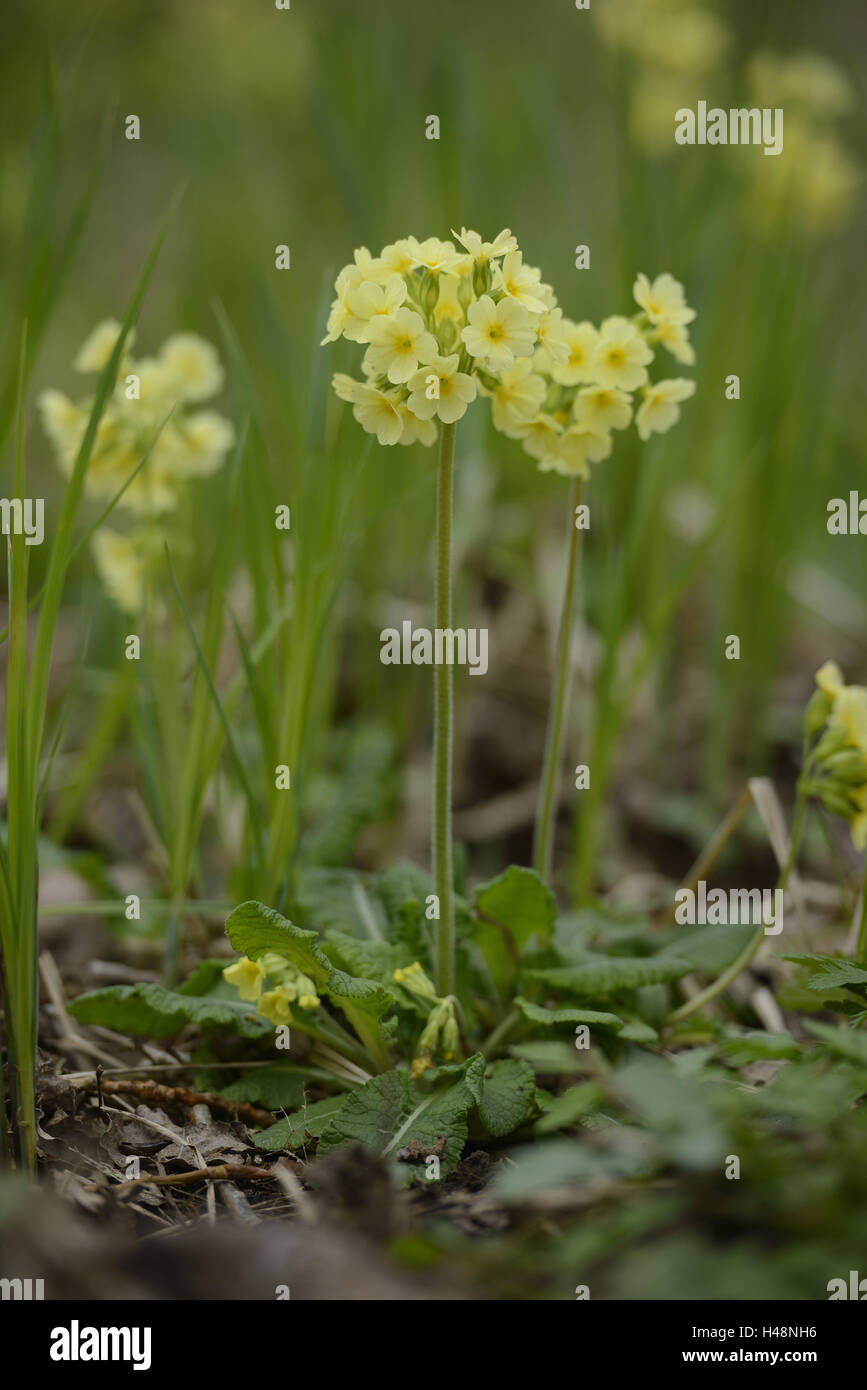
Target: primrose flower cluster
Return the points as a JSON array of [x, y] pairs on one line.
[[288, 986], [836, 766], [441, 326], [565, 403], [441, 1033], [151, 392]]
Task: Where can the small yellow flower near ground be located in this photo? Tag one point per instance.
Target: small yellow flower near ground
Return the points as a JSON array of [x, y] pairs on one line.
[[829, 679], [449, 398], [660, 408], [498, 333], [274, 1005], [621, 355], [849, 713], [247, 977]]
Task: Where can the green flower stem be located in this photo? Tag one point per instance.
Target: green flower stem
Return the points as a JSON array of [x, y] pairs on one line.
[[861, 948], [723, 981], [504, 1029], [546, 813], [441, 838]]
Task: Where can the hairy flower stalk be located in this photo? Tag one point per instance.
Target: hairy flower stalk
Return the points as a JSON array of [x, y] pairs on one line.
[[547, 809], [441, 837]]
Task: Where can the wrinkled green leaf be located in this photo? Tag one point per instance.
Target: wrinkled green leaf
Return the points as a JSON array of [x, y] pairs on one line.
[[151, 1011], [600, 976], [508, 1092]]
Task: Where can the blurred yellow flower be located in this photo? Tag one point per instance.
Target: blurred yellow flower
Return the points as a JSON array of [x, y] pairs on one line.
[[621, 355], [660, 408], [120, 568]]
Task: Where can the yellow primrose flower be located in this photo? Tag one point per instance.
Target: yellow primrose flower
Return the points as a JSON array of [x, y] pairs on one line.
[[247, 976], [810, 80], [433, 254], [99, 345], [399, 257], [829, 679], [663, 300], [849, 713], [419, 1066], [576, 447], [205, 439], [603, 407], [551, 336], [274, 1005], [368, 301], [415, 430], [193, 366], [398, 343], [454, 391], [521, 283], [859, 822], [660, 408], [581, 340], [63, 421], [415, 979], [309, 1001], [498, 333], [371, 267], [517, 396], [621, 355], [484, 251], [540, 436], [120, 569], [377, 413], [675, 338]]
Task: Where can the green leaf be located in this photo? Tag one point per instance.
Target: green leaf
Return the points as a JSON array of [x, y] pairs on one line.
[[519, 901], [828, 972], [709, 949], [302, 1126], [757, 1046], [390, 1111], [539, 1167], [507, 1096], [601, 976], [151, 1011], [550, 1017], [276, 1087], [255, 929], [368, 960], [842, 1041], [676, 1110], [570, 1106], [553, 1058]]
